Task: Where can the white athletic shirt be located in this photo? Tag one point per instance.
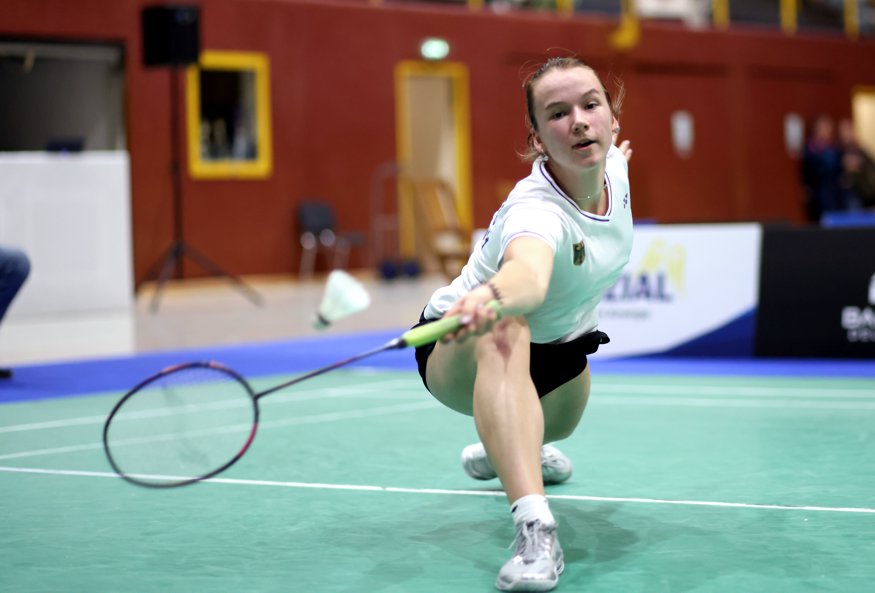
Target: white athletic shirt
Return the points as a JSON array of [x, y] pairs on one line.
[[589, 251]]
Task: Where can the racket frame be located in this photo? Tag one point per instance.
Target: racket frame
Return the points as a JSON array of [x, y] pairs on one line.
[[133, 478], [418, 336]]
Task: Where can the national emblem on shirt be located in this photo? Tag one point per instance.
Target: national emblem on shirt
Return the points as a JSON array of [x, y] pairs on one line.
[[579, 253]]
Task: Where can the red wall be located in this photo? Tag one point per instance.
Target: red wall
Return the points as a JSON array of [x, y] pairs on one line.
[[333, 111]]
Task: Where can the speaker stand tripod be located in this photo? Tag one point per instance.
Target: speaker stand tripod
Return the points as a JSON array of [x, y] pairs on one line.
[[172, 260]]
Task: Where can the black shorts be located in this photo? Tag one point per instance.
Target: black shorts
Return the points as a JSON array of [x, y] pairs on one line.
[[551, 365]]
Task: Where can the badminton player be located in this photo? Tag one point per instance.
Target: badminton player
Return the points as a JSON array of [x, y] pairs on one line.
[[558, 242]]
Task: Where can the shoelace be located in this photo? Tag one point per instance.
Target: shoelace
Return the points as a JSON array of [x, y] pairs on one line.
[[528, 545], [550, 459]]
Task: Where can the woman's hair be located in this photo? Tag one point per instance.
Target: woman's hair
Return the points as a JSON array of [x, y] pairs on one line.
[[561, 63]]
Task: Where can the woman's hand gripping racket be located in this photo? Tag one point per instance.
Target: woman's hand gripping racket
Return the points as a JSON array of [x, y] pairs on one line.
[[192, 421]]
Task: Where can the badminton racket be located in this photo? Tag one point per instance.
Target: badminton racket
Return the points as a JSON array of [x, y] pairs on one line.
[[192, 421]]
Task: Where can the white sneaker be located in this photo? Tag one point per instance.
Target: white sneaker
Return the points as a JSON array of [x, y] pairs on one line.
[[555, 466], [537, 562]]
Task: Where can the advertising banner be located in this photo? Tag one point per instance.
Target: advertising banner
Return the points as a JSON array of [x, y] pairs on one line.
[[688, 290], [817, 296]]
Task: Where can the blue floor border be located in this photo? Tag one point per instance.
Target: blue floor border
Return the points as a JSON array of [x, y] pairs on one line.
[[64, 379]]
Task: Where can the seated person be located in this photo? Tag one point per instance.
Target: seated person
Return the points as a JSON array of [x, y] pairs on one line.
[[14, 269]]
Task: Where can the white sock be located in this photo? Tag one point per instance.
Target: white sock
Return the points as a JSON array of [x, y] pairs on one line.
[[532, 507]]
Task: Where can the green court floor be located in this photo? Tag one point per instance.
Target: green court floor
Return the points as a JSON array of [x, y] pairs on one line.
[[682, 484]]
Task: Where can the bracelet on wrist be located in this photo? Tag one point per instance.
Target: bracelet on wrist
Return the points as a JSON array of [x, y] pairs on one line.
[[496, 294]]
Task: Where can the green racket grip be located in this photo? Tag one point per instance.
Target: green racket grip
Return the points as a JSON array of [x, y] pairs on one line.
[[434, 331]]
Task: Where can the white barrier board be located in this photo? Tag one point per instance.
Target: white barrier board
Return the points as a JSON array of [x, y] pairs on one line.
[[71, 215]]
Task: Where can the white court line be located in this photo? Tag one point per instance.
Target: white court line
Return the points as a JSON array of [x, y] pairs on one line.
[[333, 416], [59, 450], [440, 491], [80, 421], [312, 419], [298, 396], [729, 390], [622, 400]]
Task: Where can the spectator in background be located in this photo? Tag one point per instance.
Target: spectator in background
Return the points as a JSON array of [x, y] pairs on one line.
[[821, 169], [14, 269], [857, 169], [867, 17]]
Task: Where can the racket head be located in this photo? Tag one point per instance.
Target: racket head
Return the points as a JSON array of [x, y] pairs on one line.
[[182, 425]]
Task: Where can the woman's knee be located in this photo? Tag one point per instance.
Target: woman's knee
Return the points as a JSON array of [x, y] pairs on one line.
[[509, 338], [453, 368], [15, 264], [559, 431], [22, 266]]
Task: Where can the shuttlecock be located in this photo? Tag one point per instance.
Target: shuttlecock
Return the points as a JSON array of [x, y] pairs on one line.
[[344, 296]]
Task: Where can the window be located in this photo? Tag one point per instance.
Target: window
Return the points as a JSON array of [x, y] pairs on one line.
[[229, 116], [35, 73]]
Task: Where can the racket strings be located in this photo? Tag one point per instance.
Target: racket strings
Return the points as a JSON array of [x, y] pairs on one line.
[[183, 424]]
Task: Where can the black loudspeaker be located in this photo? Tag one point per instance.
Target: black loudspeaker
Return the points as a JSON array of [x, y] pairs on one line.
[[171, 35]]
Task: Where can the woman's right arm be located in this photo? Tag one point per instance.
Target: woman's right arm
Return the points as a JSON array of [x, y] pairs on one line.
[[520, 285]]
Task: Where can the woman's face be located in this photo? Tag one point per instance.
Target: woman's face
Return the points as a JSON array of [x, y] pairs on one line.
[[574, 119]]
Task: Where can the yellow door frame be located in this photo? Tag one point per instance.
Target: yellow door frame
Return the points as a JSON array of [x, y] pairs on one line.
[[457, 73]]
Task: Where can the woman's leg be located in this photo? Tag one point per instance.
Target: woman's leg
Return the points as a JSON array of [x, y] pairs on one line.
[[563, 407], [488, 376], [507, 412]]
